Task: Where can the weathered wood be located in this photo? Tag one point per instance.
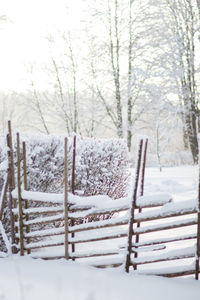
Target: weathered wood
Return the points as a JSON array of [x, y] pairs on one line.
[[21, 230], [169, 274], [11, 156], [44, 245], [41, 210], [45, 220], [132, 210], [88, 255], [142, 188], [73, 165], [106, 265], [11, 201], [143, 168], [66, 199], [157, 259], [165, 215], [3, 195], [166, 240], [73, 184], [108, 237], [166, 226], [198, 223], [25, 188], [45, 232], [95, 225]]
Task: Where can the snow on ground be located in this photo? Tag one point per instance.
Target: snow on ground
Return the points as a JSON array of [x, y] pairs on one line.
[[29, 279], [180, 182], [25, 279]]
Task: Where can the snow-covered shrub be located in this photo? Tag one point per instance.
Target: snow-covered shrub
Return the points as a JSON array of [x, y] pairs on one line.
[[102, 167], [45, 162]]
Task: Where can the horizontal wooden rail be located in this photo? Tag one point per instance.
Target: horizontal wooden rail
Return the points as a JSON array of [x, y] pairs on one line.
[[166, 226], [99, 224], [39, 210], [159, 214], [45, 232], [44, 244], [170, 272], [44, 220], [170, 255], [98, 238], [94, 254], [166, 240]]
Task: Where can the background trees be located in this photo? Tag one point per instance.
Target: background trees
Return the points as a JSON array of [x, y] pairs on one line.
[[184, 27], [130, 67]]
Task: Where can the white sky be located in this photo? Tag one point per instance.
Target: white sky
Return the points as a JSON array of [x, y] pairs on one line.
[[23, 38]]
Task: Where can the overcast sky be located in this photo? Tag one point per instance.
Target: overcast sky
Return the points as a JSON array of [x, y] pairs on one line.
[[23, 36]]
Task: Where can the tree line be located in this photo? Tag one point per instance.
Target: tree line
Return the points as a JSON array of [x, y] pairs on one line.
[[132, 67]]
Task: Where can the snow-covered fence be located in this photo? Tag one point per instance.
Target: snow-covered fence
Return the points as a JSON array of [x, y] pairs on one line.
[[80, 209], [175, 215], [69, 220], [101, 168]]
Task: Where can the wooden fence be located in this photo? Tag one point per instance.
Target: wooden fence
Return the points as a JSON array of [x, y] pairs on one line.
[[72, 225]]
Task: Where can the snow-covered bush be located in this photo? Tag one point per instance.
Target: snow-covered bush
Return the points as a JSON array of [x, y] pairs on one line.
[[101, 165]]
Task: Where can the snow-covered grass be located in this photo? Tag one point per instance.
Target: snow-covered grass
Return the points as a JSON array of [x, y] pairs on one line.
[[34, 279]]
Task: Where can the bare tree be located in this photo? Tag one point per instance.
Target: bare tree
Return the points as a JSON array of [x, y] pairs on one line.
[[183, 22]]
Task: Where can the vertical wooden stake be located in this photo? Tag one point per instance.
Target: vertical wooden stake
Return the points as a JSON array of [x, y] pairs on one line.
[[66, 201], [26, 189], [12, 204], [73, 185], [11, 156], [198, 223], [73, 165], [143, 168], [21, 232], [4, 194], [133, 205], [141, 191]]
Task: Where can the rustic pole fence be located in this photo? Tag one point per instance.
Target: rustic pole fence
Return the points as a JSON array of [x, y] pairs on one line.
[[133, 206], [66, 208]]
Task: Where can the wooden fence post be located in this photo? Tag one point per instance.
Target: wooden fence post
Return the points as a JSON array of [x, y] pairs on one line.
[[133, 205], [21, 229], [11, 183], [3, 195], [73, 185], [11, 155], [141, 190], [66, 199], [26, 189], [198, 222]]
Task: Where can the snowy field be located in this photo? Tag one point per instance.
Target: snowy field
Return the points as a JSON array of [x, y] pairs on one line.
[[28, 279]]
